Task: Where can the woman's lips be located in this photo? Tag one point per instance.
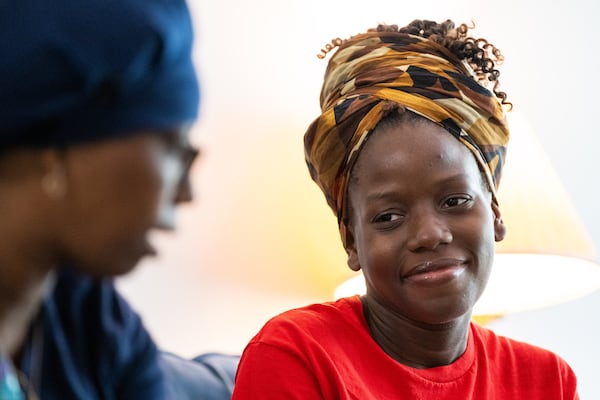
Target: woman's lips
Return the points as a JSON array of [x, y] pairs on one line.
[[435, 272]]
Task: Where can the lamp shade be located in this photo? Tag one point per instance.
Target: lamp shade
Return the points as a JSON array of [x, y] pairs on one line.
[[547, 256]]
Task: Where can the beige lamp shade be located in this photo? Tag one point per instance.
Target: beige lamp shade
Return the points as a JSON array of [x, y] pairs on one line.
[[547, 256]]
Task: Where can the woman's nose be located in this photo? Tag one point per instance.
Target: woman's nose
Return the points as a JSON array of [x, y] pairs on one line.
[[184, 192], [428, 231]]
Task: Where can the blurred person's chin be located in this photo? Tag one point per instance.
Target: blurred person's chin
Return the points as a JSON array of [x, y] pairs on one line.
[[110, 263]]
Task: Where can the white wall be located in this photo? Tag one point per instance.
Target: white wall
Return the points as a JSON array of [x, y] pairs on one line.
[[261, 80]]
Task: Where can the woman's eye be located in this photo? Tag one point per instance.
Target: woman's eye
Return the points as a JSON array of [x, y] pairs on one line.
[[456, 201], [387, 217]]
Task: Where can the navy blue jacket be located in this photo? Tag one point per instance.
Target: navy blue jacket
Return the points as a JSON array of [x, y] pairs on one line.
[[94, 346]]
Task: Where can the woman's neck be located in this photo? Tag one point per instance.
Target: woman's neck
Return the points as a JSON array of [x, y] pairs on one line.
[[25, 277], [416, 345], [28, 245]]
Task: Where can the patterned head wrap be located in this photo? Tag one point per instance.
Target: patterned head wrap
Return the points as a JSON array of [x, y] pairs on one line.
[[372, 72]]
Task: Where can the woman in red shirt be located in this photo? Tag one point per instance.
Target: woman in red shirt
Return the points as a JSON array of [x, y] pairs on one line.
[[408, 151]]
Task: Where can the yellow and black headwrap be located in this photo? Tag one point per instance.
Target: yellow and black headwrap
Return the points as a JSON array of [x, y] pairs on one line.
[[370, 71]]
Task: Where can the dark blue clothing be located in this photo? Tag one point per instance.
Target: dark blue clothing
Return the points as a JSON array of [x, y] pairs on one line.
[[94, 346]]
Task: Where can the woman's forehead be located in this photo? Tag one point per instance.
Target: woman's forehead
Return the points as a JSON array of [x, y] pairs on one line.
[[413, 141]]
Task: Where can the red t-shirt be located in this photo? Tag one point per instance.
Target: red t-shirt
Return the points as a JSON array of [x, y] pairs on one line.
[[325, 351]]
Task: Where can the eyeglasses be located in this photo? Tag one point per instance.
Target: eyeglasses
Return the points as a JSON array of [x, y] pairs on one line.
[[175, 142]]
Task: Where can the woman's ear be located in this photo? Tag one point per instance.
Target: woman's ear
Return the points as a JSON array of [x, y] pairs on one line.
[[349, 244], [54, 179], [499, 227]]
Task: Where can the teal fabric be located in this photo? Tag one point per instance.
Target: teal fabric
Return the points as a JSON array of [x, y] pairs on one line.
[[10, 388]]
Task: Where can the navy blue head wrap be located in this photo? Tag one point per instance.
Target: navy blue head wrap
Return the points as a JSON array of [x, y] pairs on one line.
[[73, 71]]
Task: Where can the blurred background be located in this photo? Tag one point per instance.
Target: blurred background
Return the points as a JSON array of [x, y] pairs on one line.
[[259, 238]]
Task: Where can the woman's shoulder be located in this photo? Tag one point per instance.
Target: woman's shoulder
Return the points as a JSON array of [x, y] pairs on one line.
[[79, 299], [523, 366], [315, 320], [320, 313], [106, 339], [500, 347]]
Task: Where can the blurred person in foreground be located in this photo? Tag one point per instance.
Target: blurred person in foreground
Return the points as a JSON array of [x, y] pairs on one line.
[[96, 102], [408, 151]]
